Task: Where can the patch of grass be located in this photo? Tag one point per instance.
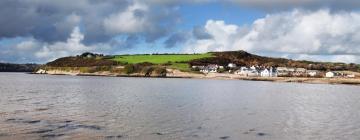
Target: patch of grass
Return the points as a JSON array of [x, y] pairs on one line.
[[180, 66], [160, 59]]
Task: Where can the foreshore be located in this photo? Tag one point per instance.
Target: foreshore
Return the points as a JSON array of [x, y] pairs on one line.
[[223, 76]]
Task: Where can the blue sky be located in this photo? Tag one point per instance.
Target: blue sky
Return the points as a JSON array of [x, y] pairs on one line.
[[197, 15], [38, 31]]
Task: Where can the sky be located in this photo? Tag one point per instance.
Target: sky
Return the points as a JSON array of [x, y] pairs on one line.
[[39, 31]]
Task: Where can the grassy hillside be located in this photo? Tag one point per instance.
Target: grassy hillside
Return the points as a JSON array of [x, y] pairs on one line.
[[160, 59], [184, 61]]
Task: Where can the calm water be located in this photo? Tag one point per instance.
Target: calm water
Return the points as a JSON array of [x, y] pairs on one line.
[[68, 107]]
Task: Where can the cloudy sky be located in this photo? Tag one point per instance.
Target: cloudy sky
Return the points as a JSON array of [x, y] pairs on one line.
[[37, 31]]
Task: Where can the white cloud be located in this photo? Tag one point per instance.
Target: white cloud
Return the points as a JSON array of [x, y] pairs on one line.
[[309, 4], [73, 46], [299, 32], [132, 20], [27, 45], [223, 35], [32, 50], [59, 49]]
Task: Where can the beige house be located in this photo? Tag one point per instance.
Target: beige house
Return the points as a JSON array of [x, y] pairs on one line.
[[330, 74]]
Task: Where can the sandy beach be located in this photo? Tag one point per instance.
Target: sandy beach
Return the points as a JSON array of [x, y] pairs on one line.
[[171, 73]]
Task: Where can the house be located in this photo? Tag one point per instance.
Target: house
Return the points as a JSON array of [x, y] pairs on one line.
[[213, 68], [41, 71], [313, 73], [265, 73], [210, 69], [91, 55], [271, 72], [299, 72], [245, 71], [286, 71], [332, 74], [242, 71], [282, 71], [253, 68], [291, 70], [197, 68], [231, 65]]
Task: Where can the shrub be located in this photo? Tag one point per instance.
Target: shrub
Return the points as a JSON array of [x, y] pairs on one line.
[[147, 70], [221, 70], [128, 69], [160, 71]]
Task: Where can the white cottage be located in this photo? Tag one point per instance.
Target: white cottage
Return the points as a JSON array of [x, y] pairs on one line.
[[242, 71], [313, 73], [41, 71], [265, 73], [330, 74], [245, 71], [232, 65], [268, 73], [210, 69]]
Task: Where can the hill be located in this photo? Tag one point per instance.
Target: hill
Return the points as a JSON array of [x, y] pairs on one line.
[[243, 58], [84, 60], [185, 61]]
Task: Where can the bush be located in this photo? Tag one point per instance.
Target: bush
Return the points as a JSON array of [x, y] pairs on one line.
[[160, 71], [128, 69], [221, 70], [103, 68], [147, 70]]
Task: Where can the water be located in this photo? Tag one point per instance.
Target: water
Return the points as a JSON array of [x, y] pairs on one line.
[[69, 107]]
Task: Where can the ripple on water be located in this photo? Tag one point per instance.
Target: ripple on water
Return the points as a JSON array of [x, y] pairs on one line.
[[261, 134], [224, 137], [52, 129], [114, 137], [41, 131], [42, 109], [20, 120], [52, 135], [158, 133], [4, 135], [250, 131]]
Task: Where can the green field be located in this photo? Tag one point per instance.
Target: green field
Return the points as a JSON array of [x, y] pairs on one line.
[[160, 59]]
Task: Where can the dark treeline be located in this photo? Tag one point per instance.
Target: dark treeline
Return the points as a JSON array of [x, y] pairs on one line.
[[7, 67]]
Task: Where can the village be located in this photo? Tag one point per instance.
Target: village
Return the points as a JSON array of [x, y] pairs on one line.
[[263, 71]]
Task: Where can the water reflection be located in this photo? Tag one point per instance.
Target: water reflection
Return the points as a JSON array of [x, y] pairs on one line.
[[66, 107]]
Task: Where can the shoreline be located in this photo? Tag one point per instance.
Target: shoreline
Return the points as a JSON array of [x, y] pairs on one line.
[[218, 76]]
